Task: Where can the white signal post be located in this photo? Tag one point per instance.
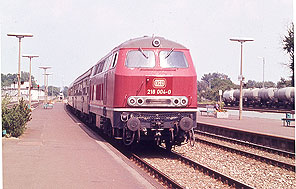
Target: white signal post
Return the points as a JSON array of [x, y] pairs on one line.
[[19, 36], [30, 79], [241, 78]]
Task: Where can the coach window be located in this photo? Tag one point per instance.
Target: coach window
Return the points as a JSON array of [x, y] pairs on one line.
[[140, 59], [172, 59]]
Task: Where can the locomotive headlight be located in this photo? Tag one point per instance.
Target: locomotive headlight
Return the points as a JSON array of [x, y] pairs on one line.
[[176, 101], [140, 101], [156, 42], [131, 101], [184, 101]]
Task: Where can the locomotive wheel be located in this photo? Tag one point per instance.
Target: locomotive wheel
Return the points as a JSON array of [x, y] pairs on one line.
[[168, 145], [127, 136]]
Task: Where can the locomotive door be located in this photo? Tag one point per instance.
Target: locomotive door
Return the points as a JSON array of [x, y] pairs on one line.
[[105, 87], [87, 95]]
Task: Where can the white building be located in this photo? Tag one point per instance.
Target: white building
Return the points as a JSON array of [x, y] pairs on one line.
[[12, 92]]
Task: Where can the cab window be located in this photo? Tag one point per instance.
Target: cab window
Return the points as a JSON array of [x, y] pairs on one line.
[[172, 59], [140, 59]]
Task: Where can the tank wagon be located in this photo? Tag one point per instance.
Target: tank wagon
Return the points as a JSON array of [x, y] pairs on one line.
[[143, 90], [284, 96], [268, 97], [252, 97], [228, 97]]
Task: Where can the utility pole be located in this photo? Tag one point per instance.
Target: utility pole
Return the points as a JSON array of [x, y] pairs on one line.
[[45, 83], [19, 36], [30, 79], [241, 78]]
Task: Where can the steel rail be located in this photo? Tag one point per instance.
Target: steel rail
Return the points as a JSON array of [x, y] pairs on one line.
[[248, 144], [251, 155], [162, 177], [215, 174]]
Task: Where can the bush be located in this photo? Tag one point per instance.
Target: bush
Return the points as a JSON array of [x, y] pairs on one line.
[[14, 119]]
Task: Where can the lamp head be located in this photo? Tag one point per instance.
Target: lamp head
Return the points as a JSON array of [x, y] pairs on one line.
[[20, 35]]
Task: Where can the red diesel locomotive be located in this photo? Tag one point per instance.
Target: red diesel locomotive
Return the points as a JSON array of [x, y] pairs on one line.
[[143, 90]]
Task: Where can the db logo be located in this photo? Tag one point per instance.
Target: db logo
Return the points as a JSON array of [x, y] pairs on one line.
[[159, 83]]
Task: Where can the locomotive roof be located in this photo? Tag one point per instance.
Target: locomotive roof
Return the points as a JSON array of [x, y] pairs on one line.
[[146, 42]]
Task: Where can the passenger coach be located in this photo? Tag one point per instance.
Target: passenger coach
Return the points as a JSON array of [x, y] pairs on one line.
[[143, 90]]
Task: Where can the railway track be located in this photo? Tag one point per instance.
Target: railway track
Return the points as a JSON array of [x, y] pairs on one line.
[[188, 173], [282, 145], [248, 144], [160, 176], [255, 173], [287, 162]]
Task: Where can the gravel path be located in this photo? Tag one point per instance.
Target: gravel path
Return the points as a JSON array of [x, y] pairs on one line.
[[247, 170]]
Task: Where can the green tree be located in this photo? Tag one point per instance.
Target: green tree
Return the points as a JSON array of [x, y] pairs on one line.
[[7, 80], [210, 84], [288, 46], [14, 119], [65, 91], [283, 83], [53, 91], [255, 84]]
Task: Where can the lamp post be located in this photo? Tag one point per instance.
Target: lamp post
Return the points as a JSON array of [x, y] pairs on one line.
[[19, 36], [46, 76], [30, 80], [263, 62], [45, 85], [241, 40]]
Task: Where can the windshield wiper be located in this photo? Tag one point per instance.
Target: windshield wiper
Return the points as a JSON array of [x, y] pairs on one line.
[[169, 53], [141, 50]]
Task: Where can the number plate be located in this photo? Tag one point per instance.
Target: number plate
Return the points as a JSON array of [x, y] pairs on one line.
[[159, 86]]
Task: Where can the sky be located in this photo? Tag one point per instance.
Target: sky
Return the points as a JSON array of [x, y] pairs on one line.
[[72, 35]]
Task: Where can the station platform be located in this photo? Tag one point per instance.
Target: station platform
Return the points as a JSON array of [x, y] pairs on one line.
[[252, 124], [58, 152]]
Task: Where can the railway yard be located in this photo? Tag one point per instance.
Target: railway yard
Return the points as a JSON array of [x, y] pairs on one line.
[[60, 151]]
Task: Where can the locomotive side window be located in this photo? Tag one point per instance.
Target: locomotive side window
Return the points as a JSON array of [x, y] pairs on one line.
[[114, 62], [94, 70], [107, 63], [140, 59], [172, 59], [100, 67]]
